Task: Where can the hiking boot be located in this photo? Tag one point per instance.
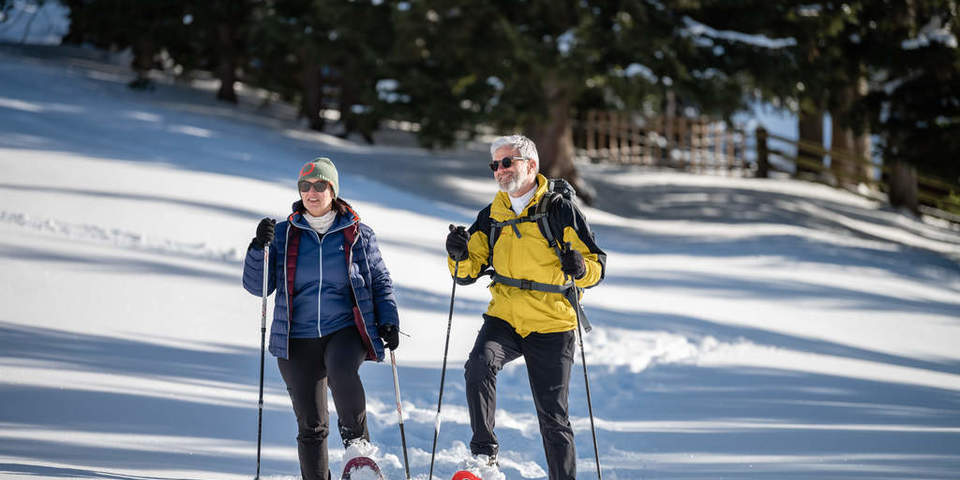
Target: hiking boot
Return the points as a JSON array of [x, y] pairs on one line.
[[359, 447], [478, 461], [483, 466]]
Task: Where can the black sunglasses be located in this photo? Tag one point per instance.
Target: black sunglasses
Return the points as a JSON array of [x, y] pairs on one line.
[[504, 162], [305, 186]]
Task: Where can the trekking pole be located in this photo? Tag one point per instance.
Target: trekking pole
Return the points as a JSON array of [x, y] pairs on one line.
[[403, 437], [586, 381], [263, 336], [586, 378], [443, 371]]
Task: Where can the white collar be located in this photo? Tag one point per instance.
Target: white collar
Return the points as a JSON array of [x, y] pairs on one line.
[[520, 203], [322, 223]]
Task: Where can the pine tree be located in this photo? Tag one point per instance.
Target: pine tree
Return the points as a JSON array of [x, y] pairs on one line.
[[217, 35], [147, 28], [324, 55], [530, 66]]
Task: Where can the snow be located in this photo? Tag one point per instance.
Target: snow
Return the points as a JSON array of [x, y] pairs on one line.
[[704, 35], [746, 328], [26, 22], [932, 32], [480, 466]]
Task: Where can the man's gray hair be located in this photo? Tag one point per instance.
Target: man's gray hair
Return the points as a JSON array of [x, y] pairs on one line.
[[524, 145]]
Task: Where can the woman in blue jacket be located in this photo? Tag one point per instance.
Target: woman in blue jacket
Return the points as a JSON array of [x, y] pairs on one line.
[[334, 308]]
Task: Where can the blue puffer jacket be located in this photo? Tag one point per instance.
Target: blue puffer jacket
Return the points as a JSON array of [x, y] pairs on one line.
[[322, 301]]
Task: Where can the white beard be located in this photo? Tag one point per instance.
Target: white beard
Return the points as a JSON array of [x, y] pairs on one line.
[[513, 185]]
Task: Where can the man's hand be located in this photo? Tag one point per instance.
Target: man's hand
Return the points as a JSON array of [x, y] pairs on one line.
[[457, 243], [390, 335], [572, 263]]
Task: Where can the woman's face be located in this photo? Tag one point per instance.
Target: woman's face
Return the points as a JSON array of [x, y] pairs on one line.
[[317, 203]]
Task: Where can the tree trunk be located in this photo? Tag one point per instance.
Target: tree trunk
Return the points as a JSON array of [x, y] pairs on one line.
[[843, 142], [861, 143], [312, 101], [227, 66], [763, 153], [144, 51], [849, 172], [77, 33], [554, 138], [810, 130], [351, 95], [862, 148], [903, 187]]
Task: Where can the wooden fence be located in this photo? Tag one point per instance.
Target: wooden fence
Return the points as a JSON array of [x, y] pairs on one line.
[[704, 145], [936, 197], [695, 144]]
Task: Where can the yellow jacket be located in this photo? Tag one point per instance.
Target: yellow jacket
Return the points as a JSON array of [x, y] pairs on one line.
[[529, 257]]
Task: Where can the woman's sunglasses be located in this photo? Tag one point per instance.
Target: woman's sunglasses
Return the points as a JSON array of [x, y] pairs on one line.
[[504, 162], [305, 186]]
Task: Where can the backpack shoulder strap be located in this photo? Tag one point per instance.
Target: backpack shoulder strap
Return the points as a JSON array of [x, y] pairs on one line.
[[543, 220]]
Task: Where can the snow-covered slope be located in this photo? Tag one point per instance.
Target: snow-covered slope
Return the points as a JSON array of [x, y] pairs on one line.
[[746, 328]]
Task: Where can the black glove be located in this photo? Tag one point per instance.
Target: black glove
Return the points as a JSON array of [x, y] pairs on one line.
[[572, 263], [457, 243], [264, 233], [390, 335]]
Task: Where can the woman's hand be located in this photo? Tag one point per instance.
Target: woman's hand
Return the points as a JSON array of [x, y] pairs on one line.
[[264, 233], [390, 335]]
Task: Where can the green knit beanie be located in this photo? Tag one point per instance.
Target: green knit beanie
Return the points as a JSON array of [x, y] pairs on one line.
[[322, 168]]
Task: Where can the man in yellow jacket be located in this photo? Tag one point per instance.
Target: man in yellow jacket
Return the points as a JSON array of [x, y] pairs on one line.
[[534, 292]]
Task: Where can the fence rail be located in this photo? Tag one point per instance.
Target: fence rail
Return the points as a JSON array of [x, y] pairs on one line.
[[696, 144], [932, 192], [705, 145]]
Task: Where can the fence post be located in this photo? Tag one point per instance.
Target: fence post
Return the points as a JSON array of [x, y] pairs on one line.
[[717, 135], [656, 153], [763, 162], [636, 142], [730, 139], [683, 145]]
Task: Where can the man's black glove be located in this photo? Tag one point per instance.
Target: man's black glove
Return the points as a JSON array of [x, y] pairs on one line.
[[457, 243], [390, 335], [264, 233], [572, 263]]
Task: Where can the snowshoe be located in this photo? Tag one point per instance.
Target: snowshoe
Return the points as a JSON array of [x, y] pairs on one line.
[[361, 468]]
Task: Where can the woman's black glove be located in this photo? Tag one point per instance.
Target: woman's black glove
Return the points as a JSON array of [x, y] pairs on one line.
[[457, 243], [264, 233], [390, 335], [572, 263]]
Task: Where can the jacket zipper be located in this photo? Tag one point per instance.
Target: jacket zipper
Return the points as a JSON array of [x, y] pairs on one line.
[[286, 288], [320, 285]]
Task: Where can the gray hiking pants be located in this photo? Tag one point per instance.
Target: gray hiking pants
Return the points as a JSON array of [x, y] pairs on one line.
[[549, 357]]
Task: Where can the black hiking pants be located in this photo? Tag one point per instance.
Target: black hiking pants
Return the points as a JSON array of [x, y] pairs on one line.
[[549, 357], [312, 364]]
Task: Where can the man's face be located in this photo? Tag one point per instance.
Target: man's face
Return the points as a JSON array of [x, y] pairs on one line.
[[517, 175]]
